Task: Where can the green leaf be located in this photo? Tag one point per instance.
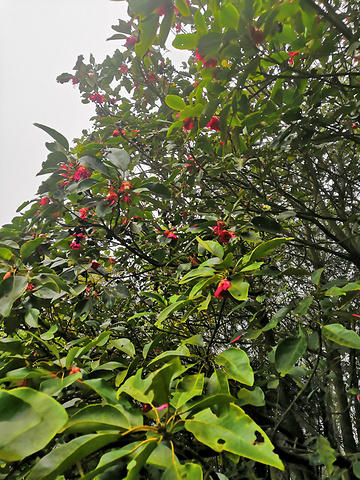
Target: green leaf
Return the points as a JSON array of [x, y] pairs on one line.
[[125, 345], [239, 289], [211, 246], [55, 135], [102, 417], [5, 253], [188, 471], [187, 388], [229, 16], [303, 306], [316, 276], [340, 335], [66, 455], [185, 41], [102, 388], [233, 431], [137, 388], [94, 163], [170, 309], [209, 44], [326, 453], [148, 27], [198, 272], [28, 421], [119, 158], [236, 365], [251, 397], [183, 7], [175, 102], [288, 352], [265, 248], [264, 224], [53, 386], [10, 289], [158, 188]]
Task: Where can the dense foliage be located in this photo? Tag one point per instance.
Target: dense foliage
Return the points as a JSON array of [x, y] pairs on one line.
[[181, 299]]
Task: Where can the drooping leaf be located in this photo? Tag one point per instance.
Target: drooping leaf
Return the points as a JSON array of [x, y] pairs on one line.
[[288, 353], [233, 431], [55, 135]]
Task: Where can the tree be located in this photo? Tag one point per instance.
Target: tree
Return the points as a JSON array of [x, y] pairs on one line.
[[180, 302]]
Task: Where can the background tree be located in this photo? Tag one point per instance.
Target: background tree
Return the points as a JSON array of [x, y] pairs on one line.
[[181, 300]]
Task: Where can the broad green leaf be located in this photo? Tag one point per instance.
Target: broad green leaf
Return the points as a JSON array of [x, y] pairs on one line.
[[55, 135], [236, 365], [28, 421], [340, 335], [229, 16], [183, 7], [239, 289], [125, 345], [265, 248], [188, 471], [205, 402], [10, 289], [170, 309], [119, 158], [148, 27], [187, 388], [31, 317], [11, 345], [181, 351], [28, 247], [175, 102], [233, 431], [53, 386], [94, 163], [102, 388], [211, 246], [326, 453], [162, 457], [198, 272], [66, 455], [316, 276], [102, 417], [150, 346], [157, 188], [205, 282], [5, 253], [288, 352], [137, 388], [303, 306], [161, 379], [112, 458], [251, 397], [185, 41]]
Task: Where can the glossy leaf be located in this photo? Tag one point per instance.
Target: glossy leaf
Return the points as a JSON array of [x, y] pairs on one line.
[[30, 419], [54, 134], [66, 455], [233, 431], [236, 365], [337, 333], [288, 352], [10, 289]]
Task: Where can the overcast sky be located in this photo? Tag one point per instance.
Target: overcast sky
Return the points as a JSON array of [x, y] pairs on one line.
[[39, 39]]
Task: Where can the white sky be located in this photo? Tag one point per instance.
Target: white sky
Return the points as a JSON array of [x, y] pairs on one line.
[[39, 40]]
